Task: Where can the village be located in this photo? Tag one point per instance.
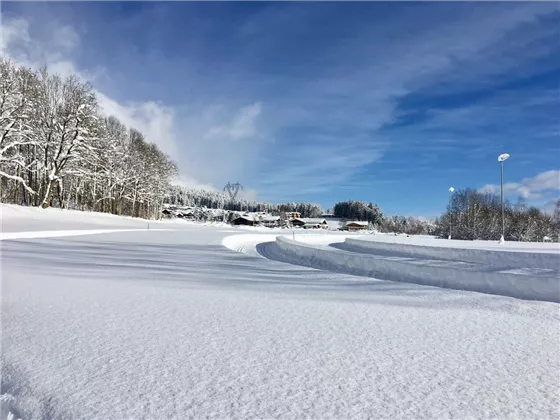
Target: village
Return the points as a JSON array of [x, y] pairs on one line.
[[285, 220]]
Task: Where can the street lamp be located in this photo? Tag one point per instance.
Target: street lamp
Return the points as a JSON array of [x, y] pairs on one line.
[[451, 190], [501, 159]]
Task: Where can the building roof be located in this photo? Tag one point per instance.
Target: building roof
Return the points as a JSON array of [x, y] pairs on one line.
[[246, 217], [311, 221], [255, 217], [357, 223]]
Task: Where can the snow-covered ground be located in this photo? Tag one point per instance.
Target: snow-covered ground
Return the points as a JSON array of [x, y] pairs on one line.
[[154, 324]]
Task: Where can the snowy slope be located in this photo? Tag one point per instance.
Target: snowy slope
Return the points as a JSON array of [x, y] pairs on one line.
[[172, 324]]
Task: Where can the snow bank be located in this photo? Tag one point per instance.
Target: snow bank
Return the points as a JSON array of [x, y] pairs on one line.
[[427, 240], [246, 244], [521, 257], [516, 282]]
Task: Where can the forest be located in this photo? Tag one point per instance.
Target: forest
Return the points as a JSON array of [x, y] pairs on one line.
[[57, 148], [474, 215]]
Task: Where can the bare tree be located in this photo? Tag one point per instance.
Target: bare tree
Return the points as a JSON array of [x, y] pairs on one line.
[[17, 102]]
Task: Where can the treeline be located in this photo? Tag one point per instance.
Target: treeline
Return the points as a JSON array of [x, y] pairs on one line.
[[358, 210], [180, 196], [408, 225], [57, 148], [474, 215]]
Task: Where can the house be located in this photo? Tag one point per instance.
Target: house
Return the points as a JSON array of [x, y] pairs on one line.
[[244, 220], [256, 219], [290, 215], [356, 226], [270, 221], [307, 223]]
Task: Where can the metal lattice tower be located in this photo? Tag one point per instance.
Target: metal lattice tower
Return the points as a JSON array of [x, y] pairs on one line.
[[233, 190]]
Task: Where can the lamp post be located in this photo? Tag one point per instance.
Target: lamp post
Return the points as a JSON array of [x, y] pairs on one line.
[[501, 159], [451, 190]]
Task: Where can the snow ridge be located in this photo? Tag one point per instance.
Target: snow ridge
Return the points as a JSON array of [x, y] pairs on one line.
[[496, 279]]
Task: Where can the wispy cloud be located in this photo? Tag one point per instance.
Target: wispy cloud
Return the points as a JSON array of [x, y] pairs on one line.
[[530, 188], [242, 126]]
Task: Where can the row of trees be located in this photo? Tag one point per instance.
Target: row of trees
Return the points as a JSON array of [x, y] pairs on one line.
[[474, 215], [359, 210], [56, 148], [408, 225], [180, 196]]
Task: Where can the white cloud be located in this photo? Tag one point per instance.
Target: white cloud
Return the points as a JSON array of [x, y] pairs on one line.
[[242, 125], [65, 37], [530, 188], [188, 182], [154, 120], [14, 32], [317, 166]]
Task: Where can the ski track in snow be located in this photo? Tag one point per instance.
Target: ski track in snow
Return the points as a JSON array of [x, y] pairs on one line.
[[172, 324]]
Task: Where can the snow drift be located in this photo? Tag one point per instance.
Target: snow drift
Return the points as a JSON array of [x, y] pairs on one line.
[[500, 278], [523, 257]]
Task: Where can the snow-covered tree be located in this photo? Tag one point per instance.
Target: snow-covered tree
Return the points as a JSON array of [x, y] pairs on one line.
[[57, 149], [17, 104]]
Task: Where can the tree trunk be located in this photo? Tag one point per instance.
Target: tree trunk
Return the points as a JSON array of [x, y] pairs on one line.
[[48, 194], [16, 187]]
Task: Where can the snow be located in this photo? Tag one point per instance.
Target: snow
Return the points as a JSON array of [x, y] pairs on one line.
[[357, 223], [61, 233], [173, 324], [495, 274], [432, 241]]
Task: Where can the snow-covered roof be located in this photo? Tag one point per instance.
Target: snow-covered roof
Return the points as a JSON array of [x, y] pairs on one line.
[[247, 217], [357, 222], [258, 217], [312, 221]]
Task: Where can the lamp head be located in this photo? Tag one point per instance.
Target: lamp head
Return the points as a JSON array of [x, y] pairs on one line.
[[503, 157], [451, 189]]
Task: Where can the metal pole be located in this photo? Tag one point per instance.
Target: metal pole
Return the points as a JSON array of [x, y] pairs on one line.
[[450, 193], [502, 198]]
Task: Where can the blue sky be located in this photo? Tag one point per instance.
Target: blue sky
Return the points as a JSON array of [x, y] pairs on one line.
[[384, 102]]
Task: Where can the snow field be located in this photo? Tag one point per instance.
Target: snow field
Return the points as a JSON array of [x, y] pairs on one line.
[[173, 324]]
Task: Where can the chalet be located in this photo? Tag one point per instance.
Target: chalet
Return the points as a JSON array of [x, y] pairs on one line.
[[270, 221], [356, 226], [307, 223], [186, 214], [256, 219], [244, 220]]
